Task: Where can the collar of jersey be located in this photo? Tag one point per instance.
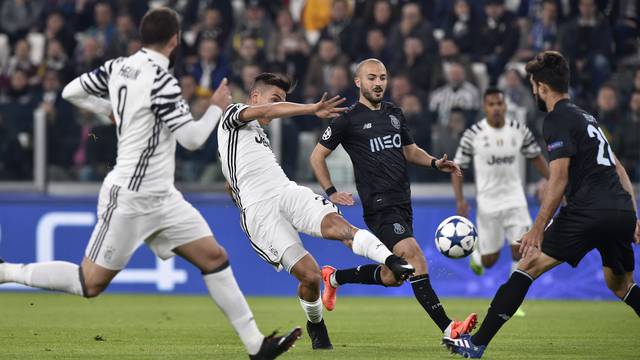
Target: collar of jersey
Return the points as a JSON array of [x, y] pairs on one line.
[[156, 57]]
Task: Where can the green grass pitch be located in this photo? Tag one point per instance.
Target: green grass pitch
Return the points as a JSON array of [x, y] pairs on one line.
[[36, 325]]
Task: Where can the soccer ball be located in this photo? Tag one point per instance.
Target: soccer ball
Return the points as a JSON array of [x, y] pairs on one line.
[[456, 236]]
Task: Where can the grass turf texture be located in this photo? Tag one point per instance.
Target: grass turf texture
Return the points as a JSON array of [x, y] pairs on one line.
[[54, 326]]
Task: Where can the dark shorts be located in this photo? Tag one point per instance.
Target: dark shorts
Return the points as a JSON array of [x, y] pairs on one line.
[[391, 224], [573, 233]]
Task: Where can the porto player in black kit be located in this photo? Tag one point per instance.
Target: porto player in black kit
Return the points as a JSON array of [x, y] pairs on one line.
[[375, 135], [600, 213]]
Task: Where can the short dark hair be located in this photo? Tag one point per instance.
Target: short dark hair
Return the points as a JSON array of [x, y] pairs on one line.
[[551, 68], [272, 79], [158, 26], [492, 91]]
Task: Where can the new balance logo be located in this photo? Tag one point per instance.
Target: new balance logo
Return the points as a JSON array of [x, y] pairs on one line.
[[366, 126], [385, 142]]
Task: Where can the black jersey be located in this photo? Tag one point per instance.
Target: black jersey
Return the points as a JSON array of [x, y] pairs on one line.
[[593, 182], [374, 140]]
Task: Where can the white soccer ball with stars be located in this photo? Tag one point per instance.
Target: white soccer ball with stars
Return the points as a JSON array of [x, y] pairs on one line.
[[456, 236]]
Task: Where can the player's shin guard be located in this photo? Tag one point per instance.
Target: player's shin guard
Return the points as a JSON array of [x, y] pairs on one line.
[[429, 300], [313, 310], [507, 300], [368, 245], [363, 274], [225, 292], [54, 275], [633, 298]]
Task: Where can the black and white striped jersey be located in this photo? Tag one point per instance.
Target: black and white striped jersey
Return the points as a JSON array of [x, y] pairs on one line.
[[496, 154], [148, 108], [247, 161]]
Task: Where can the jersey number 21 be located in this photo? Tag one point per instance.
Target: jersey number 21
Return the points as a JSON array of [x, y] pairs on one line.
[[603, 158]]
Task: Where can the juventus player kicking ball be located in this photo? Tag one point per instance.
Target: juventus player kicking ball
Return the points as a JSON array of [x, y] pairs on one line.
[[600, 213], [496, 146], [375, 135], [274, 209], [138, 202]]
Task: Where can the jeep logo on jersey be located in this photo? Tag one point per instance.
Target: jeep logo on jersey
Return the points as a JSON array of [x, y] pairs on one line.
[[327, 134], [385, 142], [497, 160], [398, 229], [263, 140], [395, 122]]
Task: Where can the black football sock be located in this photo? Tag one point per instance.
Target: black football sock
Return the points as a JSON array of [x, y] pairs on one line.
[[363, 274], [507, 300], [429, 300], [633, 298]]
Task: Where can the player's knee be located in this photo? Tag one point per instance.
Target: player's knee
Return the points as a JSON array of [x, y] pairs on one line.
[[489, 260], [213, 260], [618, 288], [311, 278]]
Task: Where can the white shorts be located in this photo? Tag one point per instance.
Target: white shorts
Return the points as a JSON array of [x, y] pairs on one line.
[[126, 219], [494, 227], [272, 225]]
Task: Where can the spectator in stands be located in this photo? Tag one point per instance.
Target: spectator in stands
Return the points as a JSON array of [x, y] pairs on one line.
[[497, 39], [56, 28], [125, 31], [248, 53], [89, 56], [103, 28], [212, 26], [450, 53], [445, 137], [417, 119], [625, 19], [376, 47], [21, 60], [212, 65], [254, 23], [627, 139], [320, 66], [188, 86], [413, 25], [517, 92], [287, 49], [15, 161], [241, 87], [341, 83], [63, 132], [608, 113], [401, 87], [18, 16], [586, 42], [462, 26], [544, 31], [342, 29], [457, 93], [416, 63]]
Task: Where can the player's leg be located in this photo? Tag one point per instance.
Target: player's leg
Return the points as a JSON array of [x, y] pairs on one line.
[[623, 286], [517, 222], [490, 240]]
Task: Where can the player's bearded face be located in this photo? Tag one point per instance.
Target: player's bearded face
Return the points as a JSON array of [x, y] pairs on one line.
[[374, 90], [542, 105]]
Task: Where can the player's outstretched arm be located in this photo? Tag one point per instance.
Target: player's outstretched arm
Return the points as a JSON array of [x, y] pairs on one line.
[[318, 160], [559, 177], [420, 157], [87, 98], [462, 207], [325, 108]]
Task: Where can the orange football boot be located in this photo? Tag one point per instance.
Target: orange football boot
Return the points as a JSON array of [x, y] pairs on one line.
[[464, 327], [329, 293]]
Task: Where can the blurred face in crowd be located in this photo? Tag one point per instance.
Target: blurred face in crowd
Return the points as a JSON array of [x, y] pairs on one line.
[[382, 12], [22, 49], [102, 14], [462, 9], [636, 79], [51, 81], [248, 48], [400, 87], [212, 18], [55, 22], [90, 48], [549, 12], [339, 79], [339, 11], [188, 86], [411, 105], [133, 46], [495, 108], [413, 47], [254, 14], [448, 49], [607, 100], [208, 50], [19, 81], [371, 79], [284, 21], [494, 11], [55, 50], [634, 102], [513, 79], [249, 72], [124, 24], [457, 121], [587, 9], [327, 50], [455, 74], [411, 14], [375, 40]]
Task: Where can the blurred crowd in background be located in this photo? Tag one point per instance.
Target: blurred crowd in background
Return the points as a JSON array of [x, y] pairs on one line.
[[440, 54]]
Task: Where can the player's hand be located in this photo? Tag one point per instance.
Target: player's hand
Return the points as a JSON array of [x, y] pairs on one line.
[[531, 243], [463, 208], [342, 198], [329, 108], [637, 237], [222, 96], [448, 166]]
